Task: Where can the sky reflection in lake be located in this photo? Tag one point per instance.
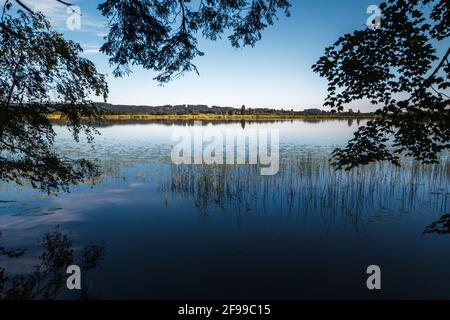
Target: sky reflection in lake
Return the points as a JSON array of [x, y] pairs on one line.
[[228, 232]]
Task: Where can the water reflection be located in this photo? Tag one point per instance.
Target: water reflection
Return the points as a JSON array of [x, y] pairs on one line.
[[192, 123], [47, 279], [442, 226], [307, 185], [186, 232]]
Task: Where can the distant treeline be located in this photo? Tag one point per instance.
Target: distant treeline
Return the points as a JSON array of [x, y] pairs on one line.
[[110, 109]]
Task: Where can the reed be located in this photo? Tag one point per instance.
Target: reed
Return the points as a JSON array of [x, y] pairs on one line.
[[307, 184]]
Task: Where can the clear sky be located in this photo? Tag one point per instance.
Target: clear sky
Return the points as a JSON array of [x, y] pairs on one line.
[[276, 73]]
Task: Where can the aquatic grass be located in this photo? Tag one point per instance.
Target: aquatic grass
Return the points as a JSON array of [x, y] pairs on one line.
[[307, 184]]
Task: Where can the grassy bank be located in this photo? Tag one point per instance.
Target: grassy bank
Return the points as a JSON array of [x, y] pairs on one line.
[[219, 117]]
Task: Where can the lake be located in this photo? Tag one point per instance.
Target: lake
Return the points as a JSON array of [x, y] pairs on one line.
[[227, 232]]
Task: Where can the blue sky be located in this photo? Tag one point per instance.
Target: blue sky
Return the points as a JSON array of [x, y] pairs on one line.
[[276, 73]]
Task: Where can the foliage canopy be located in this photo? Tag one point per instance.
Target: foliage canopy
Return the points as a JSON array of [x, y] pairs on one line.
[[397, 67]]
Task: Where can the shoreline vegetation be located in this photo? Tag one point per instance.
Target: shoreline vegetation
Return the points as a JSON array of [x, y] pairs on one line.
[[209, 117], [205, 113]]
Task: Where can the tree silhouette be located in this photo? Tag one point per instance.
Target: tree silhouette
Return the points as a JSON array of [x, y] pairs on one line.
[[48, 278], [162, 35], [397, 67], [243, 110], [442, 226], [41, 73]]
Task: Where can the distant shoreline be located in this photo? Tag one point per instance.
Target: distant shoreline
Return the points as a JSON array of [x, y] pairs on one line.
[[217, 117]]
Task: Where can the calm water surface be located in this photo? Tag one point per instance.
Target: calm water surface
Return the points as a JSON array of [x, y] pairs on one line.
[[188, 232]]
